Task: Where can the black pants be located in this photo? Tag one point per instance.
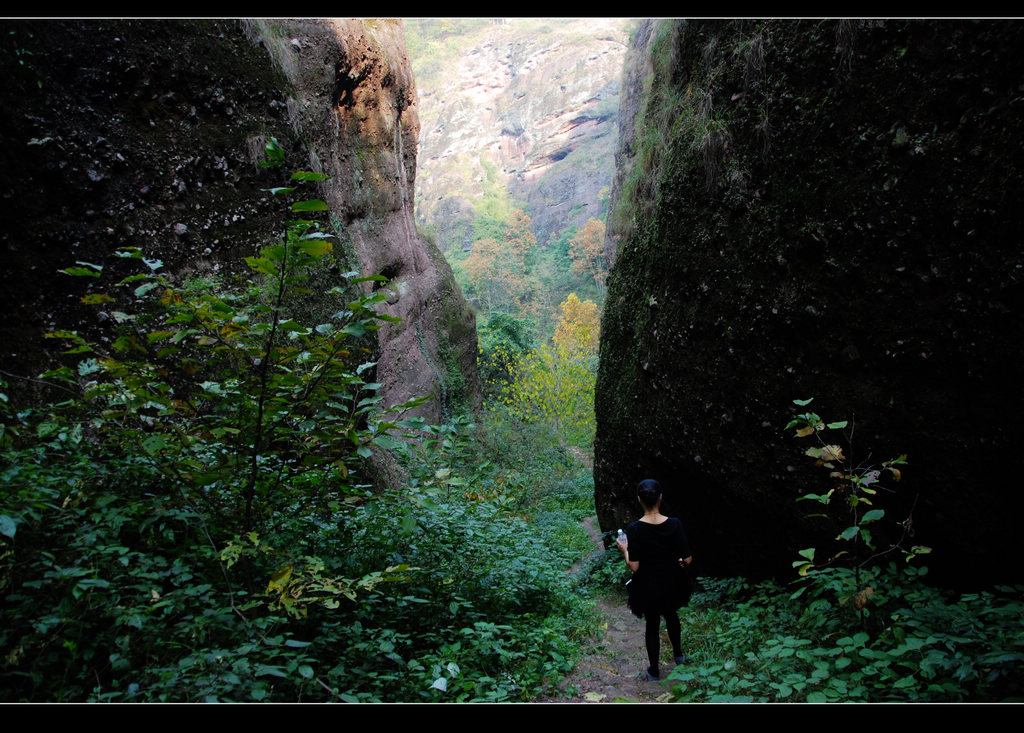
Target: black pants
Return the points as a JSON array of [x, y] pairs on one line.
[[652, 637]]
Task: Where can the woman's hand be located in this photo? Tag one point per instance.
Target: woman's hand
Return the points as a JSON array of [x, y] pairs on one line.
[[623, 545]]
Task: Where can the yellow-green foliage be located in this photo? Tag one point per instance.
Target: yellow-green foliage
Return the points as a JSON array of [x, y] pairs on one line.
[[554, 384]]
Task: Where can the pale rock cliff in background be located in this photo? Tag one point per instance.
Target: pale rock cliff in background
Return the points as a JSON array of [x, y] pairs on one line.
[[535, 98]]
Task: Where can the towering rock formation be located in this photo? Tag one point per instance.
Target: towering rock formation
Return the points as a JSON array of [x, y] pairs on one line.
[[826, 209], [148, 133]]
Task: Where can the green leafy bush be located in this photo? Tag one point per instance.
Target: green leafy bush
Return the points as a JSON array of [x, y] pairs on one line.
[[857, 629], [759, 644], [850, 499], [192, 522]]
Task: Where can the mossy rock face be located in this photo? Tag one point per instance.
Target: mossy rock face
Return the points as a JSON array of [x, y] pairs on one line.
[[141, 133], [149, 133], [831, 211]]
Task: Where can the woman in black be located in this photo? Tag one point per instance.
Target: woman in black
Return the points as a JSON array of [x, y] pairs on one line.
[[657, 552]]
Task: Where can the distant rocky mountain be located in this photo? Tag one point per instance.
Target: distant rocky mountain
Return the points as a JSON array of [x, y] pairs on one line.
[[532, 103]]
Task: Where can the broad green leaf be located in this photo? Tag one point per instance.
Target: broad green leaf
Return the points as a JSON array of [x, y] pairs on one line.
[[279, 579], [872, 516], [356, 329], [46, 429], [8, 526], [261, 264], [264, 669], [803, 403], [275, 252], [80, 271], [93, 583], [849, 533], [386, 442], [310, 205], [309, 176], [1000, 657], [274, 153], [154, 444], [136, 277], [314, 248], [145, 288]]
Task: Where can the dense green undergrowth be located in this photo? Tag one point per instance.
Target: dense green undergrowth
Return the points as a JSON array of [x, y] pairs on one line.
[[754, 643], [748, 642], [192, 519], [114, 592]]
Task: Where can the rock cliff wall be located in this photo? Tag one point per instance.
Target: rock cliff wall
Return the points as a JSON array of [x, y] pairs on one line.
[[826, 209], [537, 100], [148, 133]]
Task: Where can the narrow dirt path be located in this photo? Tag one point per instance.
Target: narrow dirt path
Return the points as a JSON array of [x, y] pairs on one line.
[[613, 661]]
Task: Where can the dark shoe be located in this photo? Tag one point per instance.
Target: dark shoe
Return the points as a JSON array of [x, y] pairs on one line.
[[651, 677], [681, 659]]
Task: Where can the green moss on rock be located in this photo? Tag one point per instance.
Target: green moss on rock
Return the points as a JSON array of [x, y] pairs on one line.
[[826, 208]]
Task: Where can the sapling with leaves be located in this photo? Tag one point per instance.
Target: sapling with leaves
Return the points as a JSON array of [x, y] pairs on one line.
[[252, 414], [185, 494], [851, 498], [228, 392]]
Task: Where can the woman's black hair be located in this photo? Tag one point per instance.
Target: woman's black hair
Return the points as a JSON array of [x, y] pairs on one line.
[[648, 492]]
